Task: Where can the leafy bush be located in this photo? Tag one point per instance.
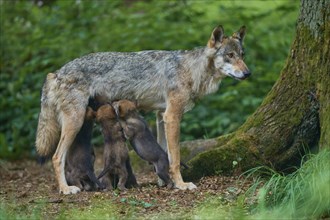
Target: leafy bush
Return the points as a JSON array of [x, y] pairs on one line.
[[38, 39]]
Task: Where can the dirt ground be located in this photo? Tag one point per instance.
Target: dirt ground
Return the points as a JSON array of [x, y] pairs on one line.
[[24, 184]]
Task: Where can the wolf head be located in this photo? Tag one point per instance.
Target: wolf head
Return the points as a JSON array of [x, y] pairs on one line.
[[228, 53]]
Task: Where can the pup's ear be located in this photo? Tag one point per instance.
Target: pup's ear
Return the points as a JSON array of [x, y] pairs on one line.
[[98, 114], [216, 37], [90, 113], [240, 34], [121, 111]]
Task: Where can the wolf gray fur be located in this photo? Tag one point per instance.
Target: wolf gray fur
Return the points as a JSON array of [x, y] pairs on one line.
[[164, 81]]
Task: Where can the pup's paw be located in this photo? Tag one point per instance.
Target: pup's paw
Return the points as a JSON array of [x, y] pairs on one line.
[[69, 190], [185, 186], [160, 182], [122, 188]]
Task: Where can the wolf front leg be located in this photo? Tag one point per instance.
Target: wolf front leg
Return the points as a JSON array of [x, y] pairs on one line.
[[172, 118]]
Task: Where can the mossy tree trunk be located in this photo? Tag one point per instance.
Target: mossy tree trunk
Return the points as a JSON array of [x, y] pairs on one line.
[[293, 117]]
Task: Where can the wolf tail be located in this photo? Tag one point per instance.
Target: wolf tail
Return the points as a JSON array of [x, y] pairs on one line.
[[48, 131]]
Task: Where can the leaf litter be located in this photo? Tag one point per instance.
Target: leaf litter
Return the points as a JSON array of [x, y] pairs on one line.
[[26, 185]]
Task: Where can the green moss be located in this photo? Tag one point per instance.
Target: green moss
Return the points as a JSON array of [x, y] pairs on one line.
[[238, 154], [222, 140], [184, 153]]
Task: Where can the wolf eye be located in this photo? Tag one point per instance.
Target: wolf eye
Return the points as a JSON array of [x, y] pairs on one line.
[[230, 55]]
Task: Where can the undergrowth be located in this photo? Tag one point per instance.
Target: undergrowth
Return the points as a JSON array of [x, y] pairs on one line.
[[304, 194]]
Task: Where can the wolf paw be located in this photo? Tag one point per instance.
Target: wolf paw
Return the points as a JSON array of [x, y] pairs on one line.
[[185, 186], [70, 190]]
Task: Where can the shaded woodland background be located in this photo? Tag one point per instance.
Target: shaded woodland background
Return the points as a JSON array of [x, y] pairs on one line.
[[38, 37]]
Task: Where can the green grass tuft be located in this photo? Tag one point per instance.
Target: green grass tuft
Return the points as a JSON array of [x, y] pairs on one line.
[[304, 194]]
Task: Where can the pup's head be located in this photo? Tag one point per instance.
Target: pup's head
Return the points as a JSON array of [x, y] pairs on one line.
[[125, 108], [129, 118], [227, 53], [105, 112]]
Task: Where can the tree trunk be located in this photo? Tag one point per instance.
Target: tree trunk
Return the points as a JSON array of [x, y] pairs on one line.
[[294, 116]]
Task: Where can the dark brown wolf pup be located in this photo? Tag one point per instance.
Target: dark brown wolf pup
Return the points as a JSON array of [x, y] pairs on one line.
[[79, 167], [116, 159], [143, 142]]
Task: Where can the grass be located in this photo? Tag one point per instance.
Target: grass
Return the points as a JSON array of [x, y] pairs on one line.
[[99, 210], [10, 212], [304, 194]]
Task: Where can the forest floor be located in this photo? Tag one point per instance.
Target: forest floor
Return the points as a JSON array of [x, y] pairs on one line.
[[29, 190]]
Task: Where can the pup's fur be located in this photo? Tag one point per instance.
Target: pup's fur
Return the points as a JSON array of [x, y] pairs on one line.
[[131, 179], [115, 149], [79, 170], [166, 81], [143, 142]]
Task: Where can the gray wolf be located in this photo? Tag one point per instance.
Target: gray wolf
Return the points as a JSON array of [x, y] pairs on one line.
[[79, 167], [168, 82], [115, 149]]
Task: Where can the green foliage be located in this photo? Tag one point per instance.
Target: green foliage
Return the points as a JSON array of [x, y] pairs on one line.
[[304, 194], [267, 44], [36, 40]]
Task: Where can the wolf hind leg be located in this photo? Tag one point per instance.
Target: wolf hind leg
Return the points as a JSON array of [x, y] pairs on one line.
[[71, 124]]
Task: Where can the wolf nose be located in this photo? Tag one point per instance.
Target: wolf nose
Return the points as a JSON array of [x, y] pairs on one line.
[[247, 74]]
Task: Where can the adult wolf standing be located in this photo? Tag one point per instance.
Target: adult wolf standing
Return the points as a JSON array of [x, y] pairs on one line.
[[166, 81]]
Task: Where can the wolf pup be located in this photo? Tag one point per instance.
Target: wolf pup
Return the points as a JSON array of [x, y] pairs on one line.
[[168, 82], [143, 142], [115, 149], [79, 167]]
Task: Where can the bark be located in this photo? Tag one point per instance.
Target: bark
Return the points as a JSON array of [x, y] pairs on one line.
[[294, 116]]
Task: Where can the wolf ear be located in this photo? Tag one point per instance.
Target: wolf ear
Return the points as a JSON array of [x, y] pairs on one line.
[[240, 34], [216, 37]]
